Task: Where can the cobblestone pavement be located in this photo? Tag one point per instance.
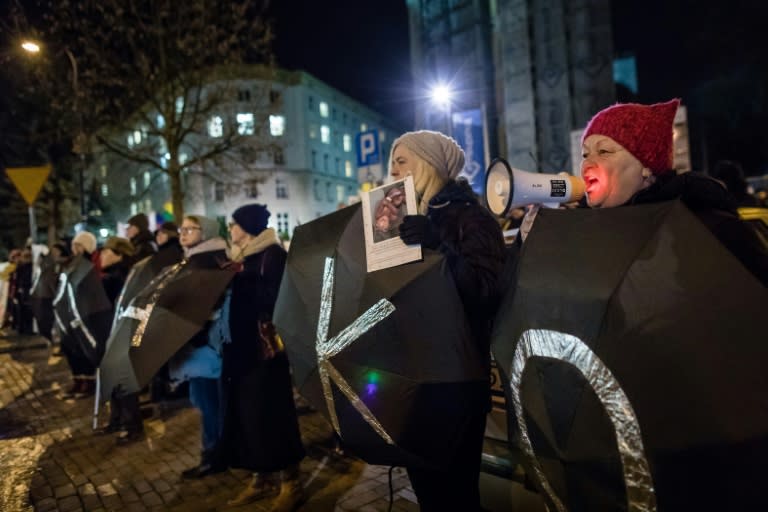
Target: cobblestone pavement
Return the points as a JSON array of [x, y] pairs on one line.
[[51, 460]]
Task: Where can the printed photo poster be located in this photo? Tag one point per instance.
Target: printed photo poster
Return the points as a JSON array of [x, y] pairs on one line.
[[383, 211]]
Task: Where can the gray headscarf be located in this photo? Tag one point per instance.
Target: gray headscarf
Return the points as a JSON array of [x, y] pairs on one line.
[[440, 151]]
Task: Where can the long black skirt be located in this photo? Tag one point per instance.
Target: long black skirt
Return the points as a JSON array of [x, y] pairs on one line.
[[261, 428]]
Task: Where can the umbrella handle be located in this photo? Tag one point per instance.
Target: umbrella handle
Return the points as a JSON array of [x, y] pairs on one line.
[[96, 399]]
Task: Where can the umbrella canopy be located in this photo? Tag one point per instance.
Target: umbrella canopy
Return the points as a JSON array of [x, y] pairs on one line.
[[636, 352], [158, 321], [82, 309], [387, 356]]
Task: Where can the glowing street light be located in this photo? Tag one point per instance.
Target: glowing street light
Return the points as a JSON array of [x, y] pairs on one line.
[[30, 46], [441, 96]]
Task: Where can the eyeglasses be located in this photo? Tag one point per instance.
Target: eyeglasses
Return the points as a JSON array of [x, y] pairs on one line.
[[187, 230]]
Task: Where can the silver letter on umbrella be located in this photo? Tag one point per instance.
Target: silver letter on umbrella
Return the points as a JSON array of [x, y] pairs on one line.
[[327, 348]]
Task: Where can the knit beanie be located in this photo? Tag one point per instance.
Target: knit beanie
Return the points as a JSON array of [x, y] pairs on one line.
[[252, 218], [169, 228], [643, 130], [140, 221], [87, 240], [209, 228], [438, 150], [119, 245]]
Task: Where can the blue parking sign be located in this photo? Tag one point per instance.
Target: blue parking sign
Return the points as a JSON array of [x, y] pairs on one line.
[[368, 149]]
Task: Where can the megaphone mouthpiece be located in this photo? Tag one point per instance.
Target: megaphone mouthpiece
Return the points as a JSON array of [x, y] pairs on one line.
[[507, 187]]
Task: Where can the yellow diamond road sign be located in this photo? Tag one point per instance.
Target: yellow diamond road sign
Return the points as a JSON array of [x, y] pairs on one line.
[[29, 180]]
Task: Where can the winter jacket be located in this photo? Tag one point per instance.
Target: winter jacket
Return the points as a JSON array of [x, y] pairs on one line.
[[716, 208], [473, 245], [143, 245]]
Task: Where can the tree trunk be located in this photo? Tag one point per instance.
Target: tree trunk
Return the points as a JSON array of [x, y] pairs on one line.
[[177, 194]]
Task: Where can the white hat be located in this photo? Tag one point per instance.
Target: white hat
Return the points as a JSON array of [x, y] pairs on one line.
[[87, 240]]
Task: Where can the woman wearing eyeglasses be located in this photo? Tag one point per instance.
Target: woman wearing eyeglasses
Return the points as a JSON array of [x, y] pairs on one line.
[[199, 361]]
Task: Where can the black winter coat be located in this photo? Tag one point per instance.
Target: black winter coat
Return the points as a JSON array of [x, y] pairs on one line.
[[716, 209], [143, 246], [473, 245], [261, 429]]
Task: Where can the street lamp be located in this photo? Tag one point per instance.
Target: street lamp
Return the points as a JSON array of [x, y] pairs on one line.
[[79, 144], [442, 95]]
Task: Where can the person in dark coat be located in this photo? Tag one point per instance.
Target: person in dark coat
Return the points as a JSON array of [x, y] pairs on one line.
[[22, 314], [627, 151], [141, 237], [124, 416], [452, 221], [261, 429], [199, 361], [44, 281], [83, 245]]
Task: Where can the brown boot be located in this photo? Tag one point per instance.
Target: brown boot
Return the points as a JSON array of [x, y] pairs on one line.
[[290, 498], [261, 486]]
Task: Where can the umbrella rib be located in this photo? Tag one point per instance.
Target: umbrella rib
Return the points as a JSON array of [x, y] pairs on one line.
[[163, 279], [78, 322]]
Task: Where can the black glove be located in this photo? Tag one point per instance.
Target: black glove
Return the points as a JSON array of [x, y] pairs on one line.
[[418, 229]]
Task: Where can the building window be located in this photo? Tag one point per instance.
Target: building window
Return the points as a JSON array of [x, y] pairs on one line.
[[218, 192], [363, 127], [347, 142], [274, 97], [348, 169], [282, 223], [147, 179], [132, 184], [314, 159], [325, 162], [316, 190], [104, 190], [137, 137], [328, 192], [333, 114], [134, 209], [311, 103], [281, 189], [344, 118], [251, 189], [340, 193], [103, 171], [277, 125], [215, 127], [179, 105], [147, 205], [337, 167], [312, 131], [245, 123], [323, 109], [279, 156], [244, 95], [129, 140], [325, 134], [160, 120]]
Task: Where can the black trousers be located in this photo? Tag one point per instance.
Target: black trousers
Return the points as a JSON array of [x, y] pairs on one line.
[[455, 488], [124, 412]]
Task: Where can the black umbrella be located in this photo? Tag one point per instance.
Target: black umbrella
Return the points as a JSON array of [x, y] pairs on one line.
[[82, 309], [159, 320], [636, 351], [116, 368], [386, 356]]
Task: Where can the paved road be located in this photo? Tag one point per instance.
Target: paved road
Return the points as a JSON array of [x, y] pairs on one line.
[[50, 459]]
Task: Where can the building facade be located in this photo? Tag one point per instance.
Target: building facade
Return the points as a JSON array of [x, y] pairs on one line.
[[539, 69], [296, 154]]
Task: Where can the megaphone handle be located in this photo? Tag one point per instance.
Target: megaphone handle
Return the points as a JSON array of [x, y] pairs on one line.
[[527, 223]]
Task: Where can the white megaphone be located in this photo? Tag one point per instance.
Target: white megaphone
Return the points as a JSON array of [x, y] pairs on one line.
[[506, 188]]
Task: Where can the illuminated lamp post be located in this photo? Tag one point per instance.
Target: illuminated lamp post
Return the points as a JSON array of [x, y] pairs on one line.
[[442, 96]]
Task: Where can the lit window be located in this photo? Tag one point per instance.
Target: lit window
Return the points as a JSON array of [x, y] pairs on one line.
[[103, 171], [133, 186], [382, 136], [179, 105], [147, 179], [245, 124], [363, 127], [129, 140], [347, 142], [323, 109], [281, 189], [183, 157], [134, 209], [147, 205], [137, 137], [104, 190], [312, 131], [160, 122], [277, 125], [325, 134], [348, 169], [340, 193], [216, 126]]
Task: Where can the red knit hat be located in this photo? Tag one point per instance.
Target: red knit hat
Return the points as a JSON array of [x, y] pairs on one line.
[[644, 130]]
